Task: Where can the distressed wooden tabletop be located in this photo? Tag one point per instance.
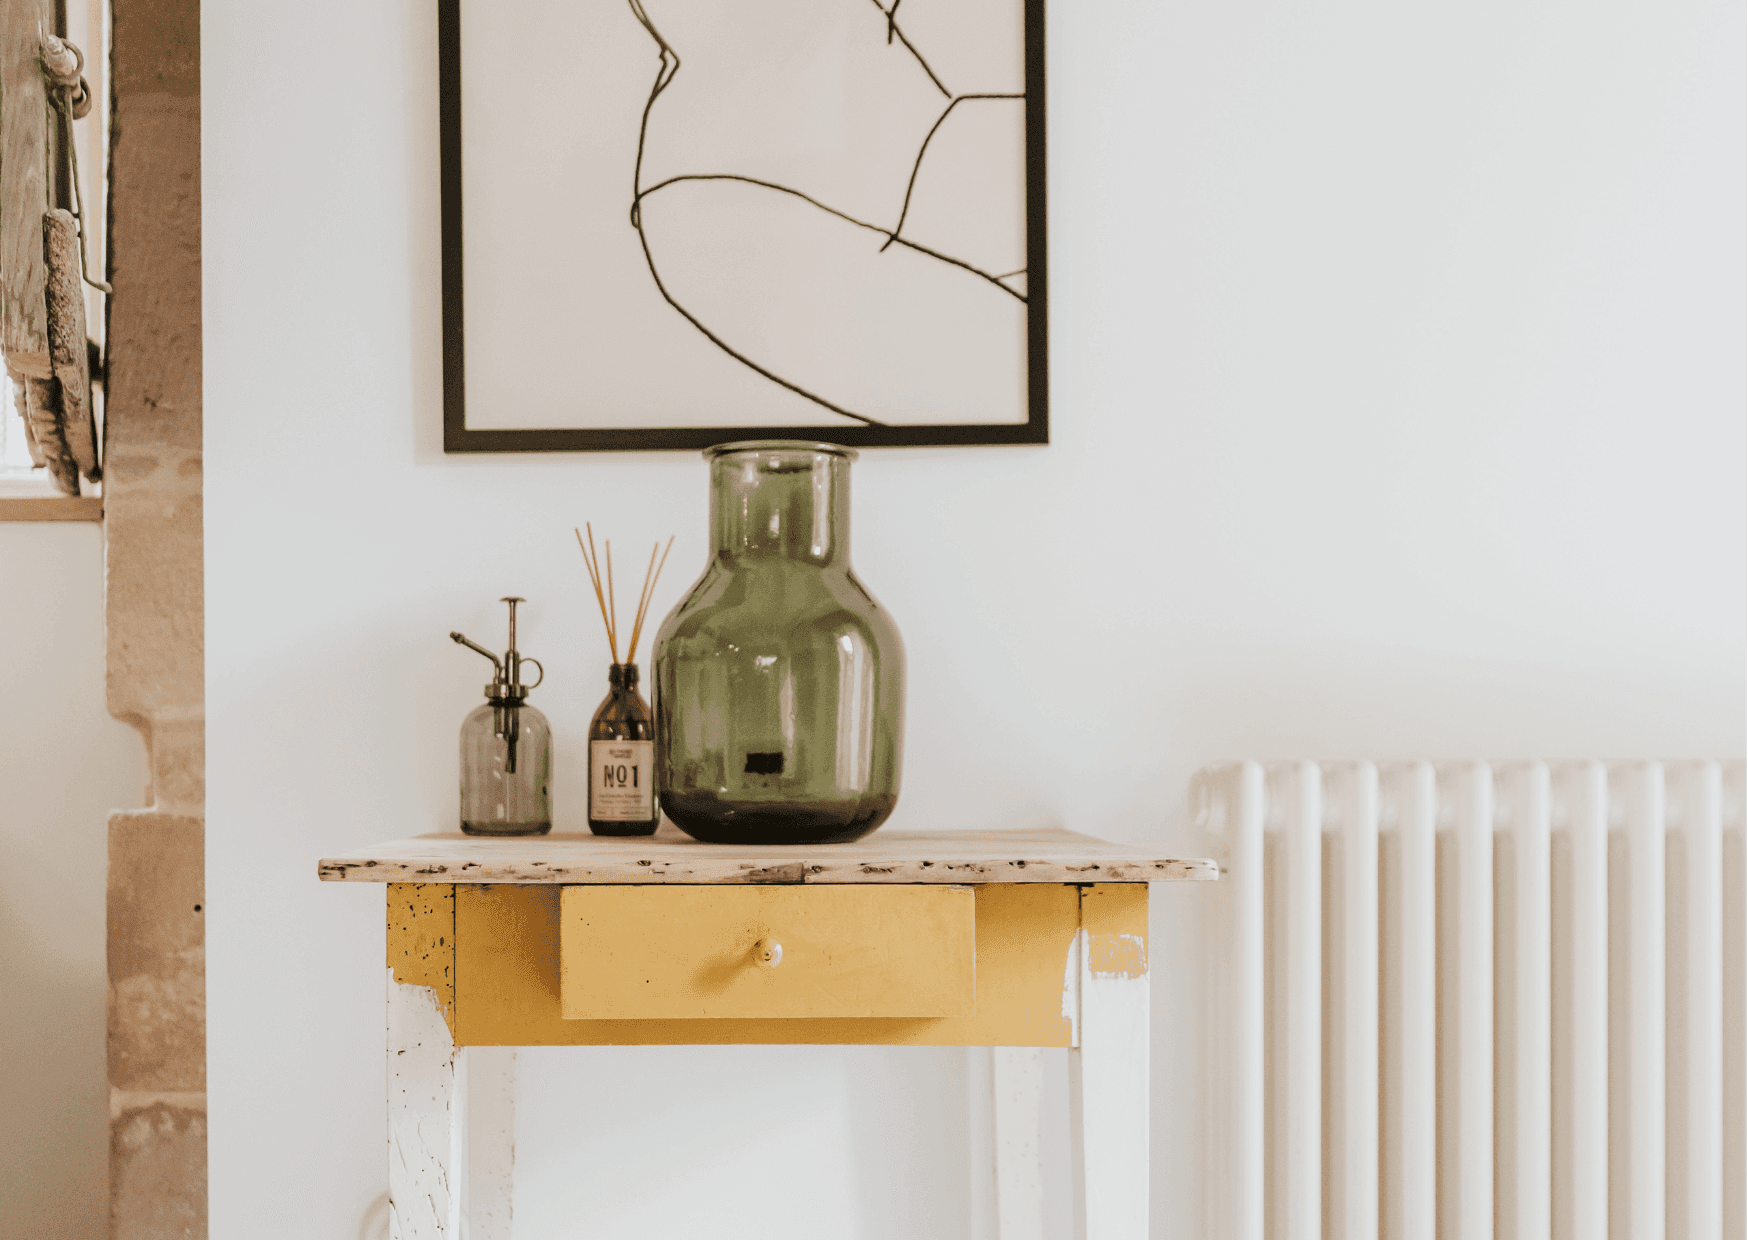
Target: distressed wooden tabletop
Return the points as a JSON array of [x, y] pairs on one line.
[[668, 856]]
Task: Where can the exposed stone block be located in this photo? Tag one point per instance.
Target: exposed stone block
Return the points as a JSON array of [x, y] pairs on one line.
[[157, 953], [154, 599], [155, 316], [155, 609], [157, 1173], [179, 766]]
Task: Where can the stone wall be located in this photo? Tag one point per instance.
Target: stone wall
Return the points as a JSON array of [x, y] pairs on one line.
[[152, 525]]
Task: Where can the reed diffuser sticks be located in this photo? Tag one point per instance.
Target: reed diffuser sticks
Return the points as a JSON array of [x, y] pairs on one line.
[[622, 773], [605, 598]]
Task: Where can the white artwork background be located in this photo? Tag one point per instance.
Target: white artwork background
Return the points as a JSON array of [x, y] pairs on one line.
[[564, 326]]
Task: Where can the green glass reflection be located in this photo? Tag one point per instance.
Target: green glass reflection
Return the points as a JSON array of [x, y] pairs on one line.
[[779, 680]]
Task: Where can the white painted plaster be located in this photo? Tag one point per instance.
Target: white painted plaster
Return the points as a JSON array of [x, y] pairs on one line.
[[1397, 410], [65, 765], [1071, 986]]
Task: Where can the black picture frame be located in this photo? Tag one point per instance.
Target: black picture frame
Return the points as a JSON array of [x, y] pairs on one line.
[[458, 438]]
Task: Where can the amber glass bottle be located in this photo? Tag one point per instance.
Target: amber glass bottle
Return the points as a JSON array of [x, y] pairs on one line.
[[622, 798]]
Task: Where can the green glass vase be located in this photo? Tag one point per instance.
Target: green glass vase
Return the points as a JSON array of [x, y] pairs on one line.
[[779, 681]]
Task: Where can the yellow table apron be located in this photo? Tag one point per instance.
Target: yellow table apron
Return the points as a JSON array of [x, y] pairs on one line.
[[1012, 940]]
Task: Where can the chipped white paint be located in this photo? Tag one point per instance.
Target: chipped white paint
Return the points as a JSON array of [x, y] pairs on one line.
[[491, 1141], [427, 1117], [438, 1173], [1017, 1087], [1108, 1104], [1071, 986], [1048, 856]]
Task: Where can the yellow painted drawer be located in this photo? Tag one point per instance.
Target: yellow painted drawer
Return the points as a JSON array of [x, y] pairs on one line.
[[677, 952]]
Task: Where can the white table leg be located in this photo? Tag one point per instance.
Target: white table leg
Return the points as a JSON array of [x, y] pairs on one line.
[[491, 1140], [427, 1117], [440, 1172], [1108, 1068], [1017, 1085]]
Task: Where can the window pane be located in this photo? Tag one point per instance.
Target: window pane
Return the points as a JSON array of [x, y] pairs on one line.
[[14, 452]]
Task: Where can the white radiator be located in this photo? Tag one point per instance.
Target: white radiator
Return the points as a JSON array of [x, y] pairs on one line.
[[1458, 1001]]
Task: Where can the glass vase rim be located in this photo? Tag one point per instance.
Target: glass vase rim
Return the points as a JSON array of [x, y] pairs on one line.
[[779, 445]]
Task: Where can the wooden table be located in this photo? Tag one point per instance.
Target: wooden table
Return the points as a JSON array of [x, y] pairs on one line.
[[1016, 940]]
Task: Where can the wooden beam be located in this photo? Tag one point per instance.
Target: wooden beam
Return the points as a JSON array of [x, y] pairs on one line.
[[24, 152], [67, 339], [51, 508]]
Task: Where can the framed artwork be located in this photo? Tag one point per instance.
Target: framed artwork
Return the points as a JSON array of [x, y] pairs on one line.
[[673, 223]]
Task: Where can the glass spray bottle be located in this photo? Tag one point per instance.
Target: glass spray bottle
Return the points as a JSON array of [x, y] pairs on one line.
[[506, 750]]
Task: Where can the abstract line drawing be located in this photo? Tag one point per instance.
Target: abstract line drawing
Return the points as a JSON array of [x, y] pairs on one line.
[[731, 219], [668, 69]]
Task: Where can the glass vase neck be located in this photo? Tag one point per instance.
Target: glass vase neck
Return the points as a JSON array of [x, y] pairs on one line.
[[781, 500]]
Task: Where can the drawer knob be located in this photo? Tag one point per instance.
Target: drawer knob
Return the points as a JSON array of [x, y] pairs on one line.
[[768, 953]]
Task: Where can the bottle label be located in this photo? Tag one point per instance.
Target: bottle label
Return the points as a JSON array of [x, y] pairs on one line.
[[619, 781]]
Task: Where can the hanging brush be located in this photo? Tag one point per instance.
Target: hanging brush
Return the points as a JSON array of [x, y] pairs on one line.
[[605, 597]]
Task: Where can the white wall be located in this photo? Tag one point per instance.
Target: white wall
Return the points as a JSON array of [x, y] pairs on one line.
[[64, 766], [1397, 410]]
